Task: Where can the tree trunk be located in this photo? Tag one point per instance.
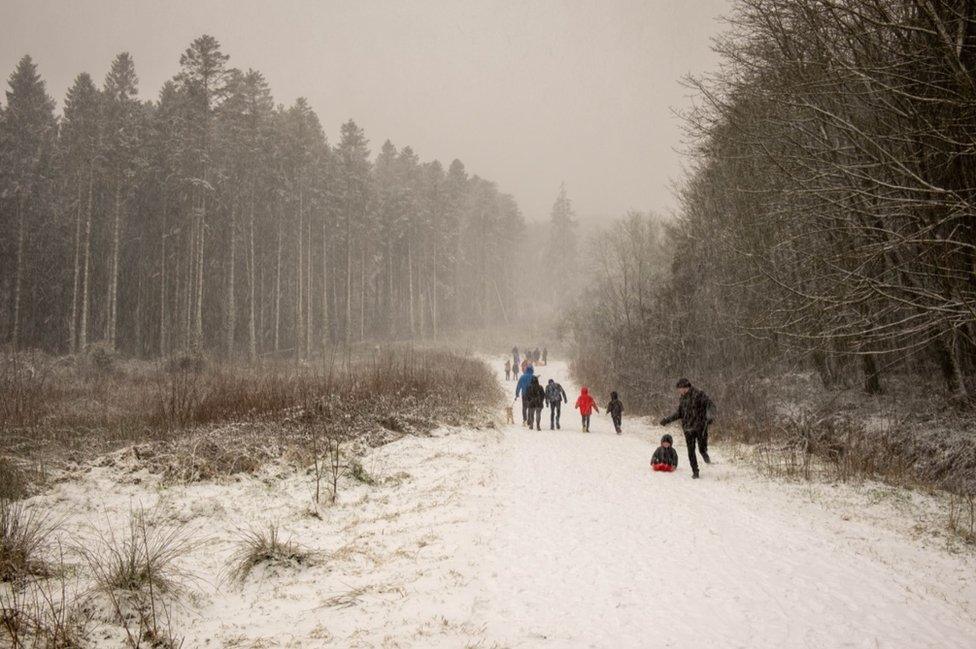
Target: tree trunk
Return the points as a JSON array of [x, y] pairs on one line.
[[362, 287], [413, 325], [348, 329], [231, 323], [198, 314], [309, 316], [86, 264], [162, 288], [277, 296], [113, 295], [325, 288], [252, 346], [299, 285], [872, 376], [75, 280], [19, 275]]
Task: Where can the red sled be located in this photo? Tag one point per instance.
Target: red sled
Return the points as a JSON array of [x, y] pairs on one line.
[[661, 466]]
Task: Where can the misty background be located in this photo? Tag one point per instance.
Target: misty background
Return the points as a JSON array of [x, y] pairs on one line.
[[527, 94]]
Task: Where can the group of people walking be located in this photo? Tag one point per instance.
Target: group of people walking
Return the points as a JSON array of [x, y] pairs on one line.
[[696, 411], [518, 363]]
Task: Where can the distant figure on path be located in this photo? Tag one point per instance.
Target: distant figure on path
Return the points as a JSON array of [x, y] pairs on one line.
[[545, 356], [586, 405], [515, 358], [508, 369], [616, 410], [521, 390], [696, 412], [556, 397]]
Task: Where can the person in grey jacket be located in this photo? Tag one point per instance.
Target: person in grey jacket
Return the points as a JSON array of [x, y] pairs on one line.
[[555, 397]]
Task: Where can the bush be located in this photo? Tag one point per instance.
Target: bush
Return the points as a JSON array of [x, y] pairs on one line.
[[265, 547], [101, 360]]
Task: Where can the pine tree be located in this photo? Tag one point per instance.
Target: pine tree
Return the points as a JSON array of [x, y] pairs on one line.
[[561, 256], [80, 145], [353, 181], [28, 139], [121, 149], [204, 80]]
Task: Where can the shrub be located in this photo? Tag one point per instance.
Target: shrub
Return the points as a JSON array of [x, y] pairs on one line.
[[101, 360], [359, 472], [259, 547]]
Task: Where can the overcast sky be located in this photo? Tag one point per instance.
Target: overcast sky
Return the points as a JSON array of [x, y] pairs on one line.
[[526, 93]]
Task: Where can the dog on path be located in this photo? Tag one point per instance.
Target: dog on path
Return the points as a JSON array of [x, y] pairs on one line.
[[509, 419]]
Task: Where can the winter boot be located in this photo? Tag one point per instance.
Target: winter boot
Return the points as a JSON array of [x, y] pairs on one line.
[[705, 457], [695, 475]]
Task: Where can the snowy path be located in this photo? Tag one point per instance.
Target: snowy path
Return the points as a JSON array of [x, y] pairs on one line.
[[591, 549], [517, 538]]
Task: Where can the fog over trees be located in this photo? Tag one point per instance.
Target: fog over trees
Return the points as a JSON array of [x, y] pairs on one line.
[[828, 219], [213, 219]]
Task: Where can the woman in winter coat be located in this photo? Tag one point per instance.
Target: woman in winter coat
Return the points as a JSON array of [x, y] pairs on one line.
[[586, 405]]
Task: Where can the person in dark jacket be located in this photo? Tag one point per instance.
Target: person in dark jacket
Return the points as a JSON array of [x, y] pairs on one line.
[[616, 410], [696, 412], [665, 458], [521, 390], [515, 358], [535, 398], [555, 397]]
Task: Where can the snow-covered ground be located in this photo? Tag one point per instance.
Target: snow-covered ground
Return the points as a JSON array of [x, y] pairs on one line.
[[512, 538]]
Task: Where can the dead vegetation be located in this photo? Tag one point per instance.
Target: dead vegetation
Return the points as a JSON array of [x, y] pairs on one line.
[[45, 613], [24, 535], [265, 547], [193, 419]]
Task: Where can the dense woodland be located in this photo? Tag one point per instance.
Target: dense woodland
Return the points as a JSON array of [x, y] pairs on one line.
[[212, 219], [829, 220]]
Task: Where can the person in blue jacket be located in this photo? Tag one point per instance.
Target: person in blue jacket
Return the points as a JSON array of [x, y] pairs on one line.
[[521, 388]]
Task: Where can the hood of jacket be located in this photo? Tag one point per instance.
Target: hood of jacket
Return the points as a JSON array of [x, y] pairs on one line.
[[668, 439], [613, 395], [584, 390], [529, 369], [535, 380]]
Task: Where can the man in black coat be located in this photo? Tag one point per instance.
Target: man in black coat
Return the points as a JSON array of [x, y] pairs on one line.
[[696, 411], [535, 398]]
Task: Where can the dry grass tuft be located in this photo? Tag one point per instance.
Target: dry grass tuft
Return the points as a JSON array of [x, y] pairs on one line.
[[24, 535], [265, 547], [142, 558]]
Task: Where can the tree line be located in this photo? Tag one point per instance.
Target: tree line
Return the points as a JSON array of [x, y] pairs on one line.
[[829, 217], [212, 219]]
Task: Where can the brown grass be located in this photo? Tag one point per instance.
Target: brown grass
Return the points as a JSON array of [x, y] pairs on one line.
[[75, 408], [265, 547]]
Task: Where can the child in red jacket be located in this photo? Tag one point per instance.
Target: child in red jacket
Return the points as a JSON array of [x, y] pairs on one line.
[[586, 406]]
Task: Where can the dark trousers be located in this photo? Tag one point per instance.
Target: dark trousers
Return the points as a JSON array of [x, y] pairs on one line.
[[586, 423], [536, 415], [617, 419], [555, 407], [525, 411], [699, 437]]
